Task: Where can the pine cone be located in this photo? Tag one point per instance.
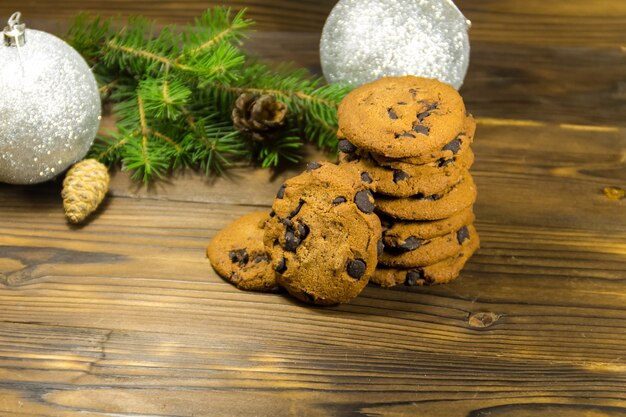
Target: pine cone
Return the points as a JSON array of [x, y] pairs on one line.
[[84, 188], [258, 115]]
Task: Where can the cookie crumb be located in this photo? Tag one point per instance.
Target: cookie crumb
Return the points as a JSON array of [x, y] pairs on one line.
[[614, 193]]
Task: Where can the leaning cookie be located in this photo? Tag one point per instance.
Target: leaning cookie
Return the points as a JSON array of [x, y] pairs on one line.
[[432, 207], [440, 273], [238, 255], [420, 253], [323, 236], [402, 117]]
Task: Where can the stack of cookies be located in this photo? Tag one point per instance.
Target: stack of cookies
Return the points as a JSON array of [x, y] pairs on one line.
[[398, 209], [408, 138]]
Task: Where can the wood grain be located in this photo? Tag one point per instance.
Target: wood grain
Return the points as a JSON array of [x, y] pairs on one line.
[[123, 316]]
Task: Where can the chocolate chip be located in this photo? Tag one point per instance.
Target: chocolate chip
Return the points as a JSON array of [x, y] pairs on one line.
[[411, 243], [281, 266], [422, 130], [295, 235], [297, 209], [272, 213], [380, 247], [365, 177], [286, 222], [302, 231], [421, 116], [312, 166], [281, 192], [261, 258], [356, 268], [339, 200], [346, 146], [291, 240], [399, 175], [444, 162], [234, 277], [462, 235], [239, 256], [413, 92], [453, 146], [363, 200], [404, 135], [413, 276], [392, 114], [402, 103], [243, 257]]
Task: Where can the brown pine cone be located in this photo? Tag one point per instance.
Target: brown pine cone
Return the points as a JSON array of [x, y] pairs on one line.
[[258, 115], [84, 188]]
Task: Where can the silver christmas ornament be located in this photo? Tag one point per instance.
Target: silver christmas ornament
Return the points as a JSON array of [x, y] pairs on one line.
[[364, 40], [49, 105]]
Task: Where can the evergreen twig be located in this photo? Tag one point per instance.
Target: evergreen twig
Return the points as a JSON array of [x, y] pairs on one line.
[[173, 93]]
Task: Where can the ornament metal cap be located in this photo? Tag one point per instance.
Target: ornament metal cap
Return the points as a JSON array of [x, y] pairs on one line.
[[13, 34]]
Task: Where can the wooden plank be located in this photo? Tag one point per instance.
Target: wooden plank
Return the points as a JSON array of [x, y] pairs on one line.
[[577, 23], [283, 15], [124, 316], [547, 84], [598, 23], [196, 374]]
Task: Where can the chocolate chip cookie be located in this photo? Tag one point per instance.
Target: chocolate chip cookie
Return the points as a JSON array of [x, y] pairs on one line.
[[454, 148], [431, 207], [398, 234], [402, 117], [439, 273], [422, 252], [323, 235], [406, 180], [238, 255]]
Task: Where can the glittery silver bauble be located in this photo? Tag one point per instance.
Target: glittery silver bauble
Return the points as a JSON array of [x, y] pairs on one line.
[[49, 107], [364, 40]]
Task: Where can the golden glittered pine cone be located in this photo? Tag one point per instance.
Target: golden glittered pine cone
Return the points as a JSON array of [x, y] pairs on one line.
[[258, 115], [84, 188]]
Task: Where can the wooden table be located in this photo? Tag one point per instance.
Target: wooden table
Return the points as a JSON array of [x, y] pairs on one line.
[[124, 316]]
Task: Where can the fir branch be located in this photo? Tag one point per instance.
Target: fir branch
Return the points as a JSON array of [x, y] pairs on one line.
[[163, 98], [105, 89], [168, 140], [284, 94], [150, 56], [174, 91], [214, 27], [106, 150], [145, 160], [279, 150]]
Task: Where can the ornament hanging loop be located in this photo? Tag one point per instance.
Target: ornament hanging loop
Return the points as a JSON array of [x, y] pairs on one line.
[[13, 34]]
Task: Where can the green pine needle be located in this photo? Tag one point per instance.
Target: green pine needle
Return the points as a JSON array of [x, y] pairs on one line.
[[173, 92]]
